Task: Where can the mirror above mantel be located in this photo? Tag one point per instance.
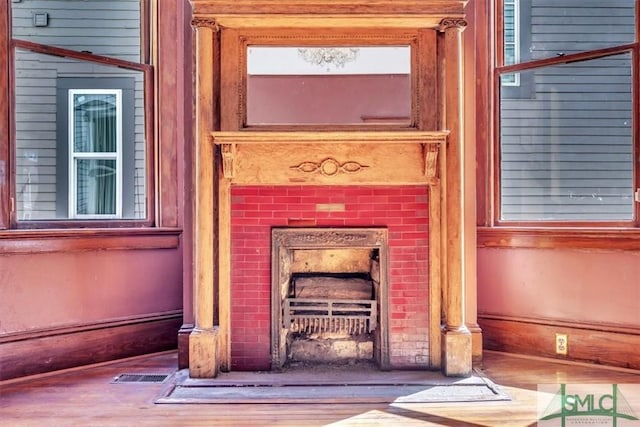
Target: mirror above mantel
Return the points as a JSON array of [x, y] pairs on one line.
[[328, 80], [329, 85]]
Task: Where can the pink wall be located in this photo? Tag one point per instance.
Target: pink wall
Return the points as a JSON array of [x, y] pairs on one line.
[[594, 287], [404, 210], [40, 291]]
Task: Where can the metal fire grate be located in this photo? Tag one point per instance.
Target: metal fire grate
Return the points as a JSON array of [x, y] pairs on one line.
[[140, 378], [329, 315]]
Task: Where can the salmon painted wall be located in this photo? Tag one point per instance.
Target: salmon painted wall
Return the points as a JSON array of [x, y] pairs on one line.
[[50, 289], [41, 291], [594, 287]]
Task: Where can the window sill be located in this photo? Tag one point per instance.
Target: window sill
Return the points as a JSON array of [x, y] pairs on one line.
[[74, 240], [559, 238]]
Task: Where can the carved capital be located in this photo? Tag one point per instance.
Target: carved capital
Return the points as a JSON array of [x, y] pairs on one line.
[[451, 23], [203, 21], [228, 157]]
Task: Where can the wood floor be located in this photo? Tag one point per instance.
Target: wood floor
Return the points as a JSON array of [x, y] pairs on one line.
[[86, 397]]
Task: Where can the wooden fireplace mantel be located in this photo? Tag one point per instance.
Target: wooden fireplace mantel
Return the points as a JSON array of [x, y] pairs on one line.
[[324, 157], [428, 152]]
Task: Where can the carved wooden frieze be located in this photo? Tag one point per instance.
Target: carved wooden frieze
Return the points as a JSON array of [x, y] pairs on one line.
[[329, 167], [329, 237]]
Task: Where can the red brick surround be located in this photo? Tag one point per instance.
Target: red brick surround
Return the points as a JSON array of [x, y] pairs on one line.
[[255, 210]]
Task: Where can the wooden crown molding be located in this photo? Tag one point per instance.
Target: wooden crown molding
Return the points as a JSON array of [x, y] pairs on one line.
[[328, 13]]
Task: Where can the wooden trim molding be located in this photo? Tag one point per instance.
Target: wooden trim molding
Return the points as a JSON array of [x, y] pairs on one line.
[[5, 126], [183, 345], [326, 137], [72, 240], [559, 238], [47, 350], [594, 343]]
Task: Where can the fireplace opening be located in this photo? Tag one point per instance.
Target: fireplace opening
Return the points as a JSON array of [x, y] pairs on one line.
[[330, 296]]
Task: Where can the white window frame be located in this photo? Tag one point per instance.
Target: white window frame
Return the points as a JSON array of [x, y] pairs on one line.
[[516, 44], [73, 155]]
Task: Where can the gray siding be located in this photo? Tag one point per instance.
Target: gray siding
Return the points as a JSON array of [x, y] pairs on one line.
[[102, 27], [566, 143]]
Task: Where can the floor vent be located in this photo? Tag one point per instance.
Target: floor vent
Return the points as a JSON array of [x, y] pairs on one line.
[[140, 378]]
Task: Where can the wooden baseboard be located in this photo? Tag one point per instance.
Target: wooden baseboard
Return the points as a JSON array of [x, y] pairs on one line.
[[45, 351], [600, 344]]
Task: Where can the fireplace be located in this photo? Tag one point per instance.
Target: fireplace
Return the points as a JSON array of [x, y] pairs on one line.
[[329, 295], [402, 176]]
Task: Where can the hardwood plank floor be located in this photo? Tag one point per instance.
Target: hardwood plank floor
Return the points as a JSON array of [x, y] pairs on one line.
[[86, 397]]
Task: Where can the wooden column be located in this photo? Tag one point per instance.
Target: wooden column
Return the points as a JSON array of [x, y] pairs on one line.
[[203, 360], [456, 338]]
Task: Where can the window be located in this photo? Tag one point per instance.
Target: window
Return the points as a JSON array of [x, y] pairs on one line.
[[95, 150], [81, 113], [511, 40], [566, 151]]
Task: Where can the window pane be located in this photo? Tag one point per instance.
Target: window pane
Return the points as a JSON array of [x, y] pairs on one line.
[[511, 32], [545, 29], [42, 86], [95, 123], [328, 85], [567, 153], [102, 27], [96, 192]]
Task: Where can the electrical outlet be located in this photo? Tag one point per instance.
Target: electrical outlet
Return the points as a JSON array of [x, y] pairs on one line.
[[562, 343]]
